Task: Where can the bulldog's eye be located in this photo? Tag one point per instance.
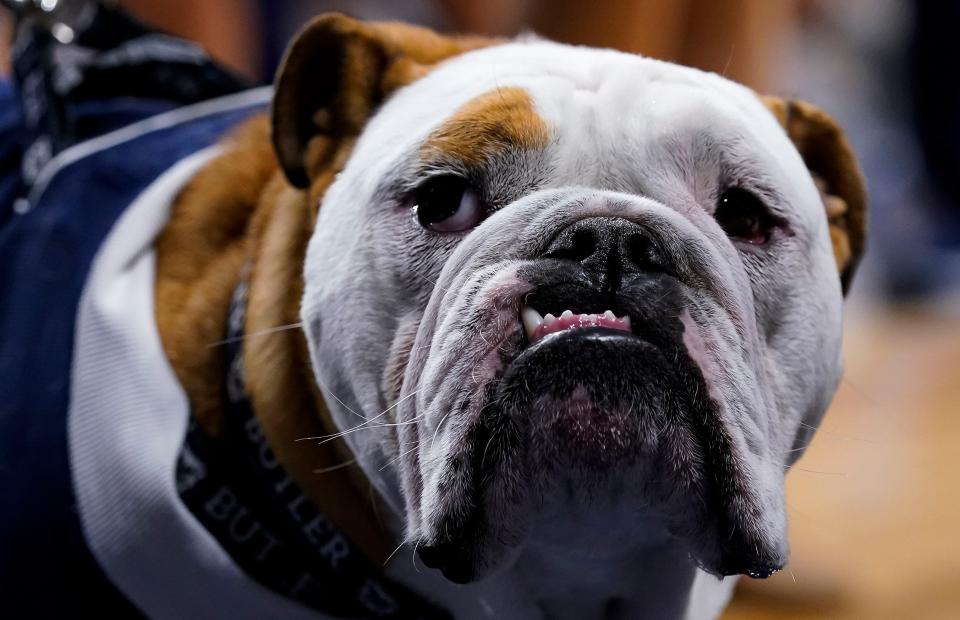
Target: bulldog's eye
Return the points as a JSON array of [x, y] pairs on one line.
[[744, 217], [446, 203]]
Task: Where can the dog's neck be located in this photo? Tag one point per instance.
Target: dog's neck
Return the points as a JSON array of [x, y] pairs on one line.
[[238, 219]]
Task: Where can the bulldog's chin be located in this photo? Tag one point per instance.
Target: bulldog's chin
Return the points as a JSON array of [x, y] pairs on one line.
[[601, 430], [591, 401]]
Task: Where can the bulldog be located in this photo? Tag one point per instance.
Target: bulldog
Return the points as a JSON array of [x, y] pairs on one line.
[[535, 329]]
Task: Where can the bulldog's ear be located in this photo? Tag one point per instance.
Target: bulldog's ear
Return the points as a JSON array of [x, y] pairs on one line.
[[336, 73], [833, 164]]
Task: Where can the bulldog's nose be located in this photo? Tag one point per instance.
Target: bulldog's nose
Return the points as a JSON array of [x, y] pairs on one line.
[[609, 247]]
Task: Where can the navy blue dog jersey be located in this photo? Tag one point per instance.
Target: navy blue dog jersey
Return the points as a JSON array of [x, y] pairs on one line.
[[74, 155], [112, 500]]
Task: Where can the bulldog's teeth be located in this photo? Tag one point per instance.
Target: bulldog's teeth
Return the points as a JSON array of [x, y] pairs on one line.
[[626, 320], [548, 318], [531, 320], [566, 314], [610, 315]]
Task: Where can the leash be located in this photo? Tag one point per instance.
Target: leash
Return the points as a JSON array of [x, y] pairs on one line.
[[237, 489]]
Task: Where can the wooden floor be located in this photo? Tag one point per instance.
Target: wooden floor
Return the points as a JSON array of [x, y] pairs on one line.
[[874, 505]]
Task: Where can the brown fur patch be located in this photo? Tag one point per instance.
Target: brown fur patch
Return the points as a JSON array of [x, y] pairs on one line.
[[199, 257], [501, 119], [833, 164]]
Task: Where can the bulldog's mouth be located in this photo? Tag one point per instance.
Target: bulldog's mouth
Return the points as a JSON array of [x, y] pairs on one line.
[[597, 397], [537, 326]]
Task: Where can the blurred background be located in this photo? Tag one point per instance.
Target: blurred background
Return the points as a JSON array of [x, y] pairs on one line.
[[875, 503]]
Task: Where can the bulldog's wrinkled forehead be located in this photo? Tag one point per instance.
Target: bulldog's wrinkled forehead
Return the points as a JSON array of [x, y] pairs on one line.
[[556, 75], [599, 112]]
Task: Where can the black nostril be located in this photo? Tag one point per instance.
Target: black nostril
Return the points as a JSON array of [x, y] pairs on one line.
[[639, 252], [583, 245], [578, 245], [610, 245]]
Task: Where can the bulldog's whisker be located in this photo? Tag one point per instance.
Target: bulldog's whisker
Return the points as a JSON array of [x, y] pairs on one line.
[[337, 398], [365, 420], [413, 556], [862, 393], [729, 60], [382, 413], [399, 400], [358, 427], [361, 427], [326, 470], [442, 420], [431, 281], [836, 434], [434, 283], [262, 332], [394, 552], [397, 458], [404, 423], [816, 471], [483, 459]]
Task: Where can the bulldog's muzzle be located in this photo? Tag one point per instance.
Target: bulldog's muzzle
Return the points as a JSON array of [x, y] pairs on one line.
[[588, 386], [597, 353]]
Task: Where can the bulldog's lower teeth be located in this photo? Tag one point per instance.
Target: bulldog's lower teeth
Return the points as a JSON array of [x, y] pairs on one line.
[[536, 326]]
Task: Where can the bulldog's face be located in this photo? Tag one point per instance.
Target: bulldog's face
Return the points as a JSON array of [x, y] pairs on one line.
[[574, 297]]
